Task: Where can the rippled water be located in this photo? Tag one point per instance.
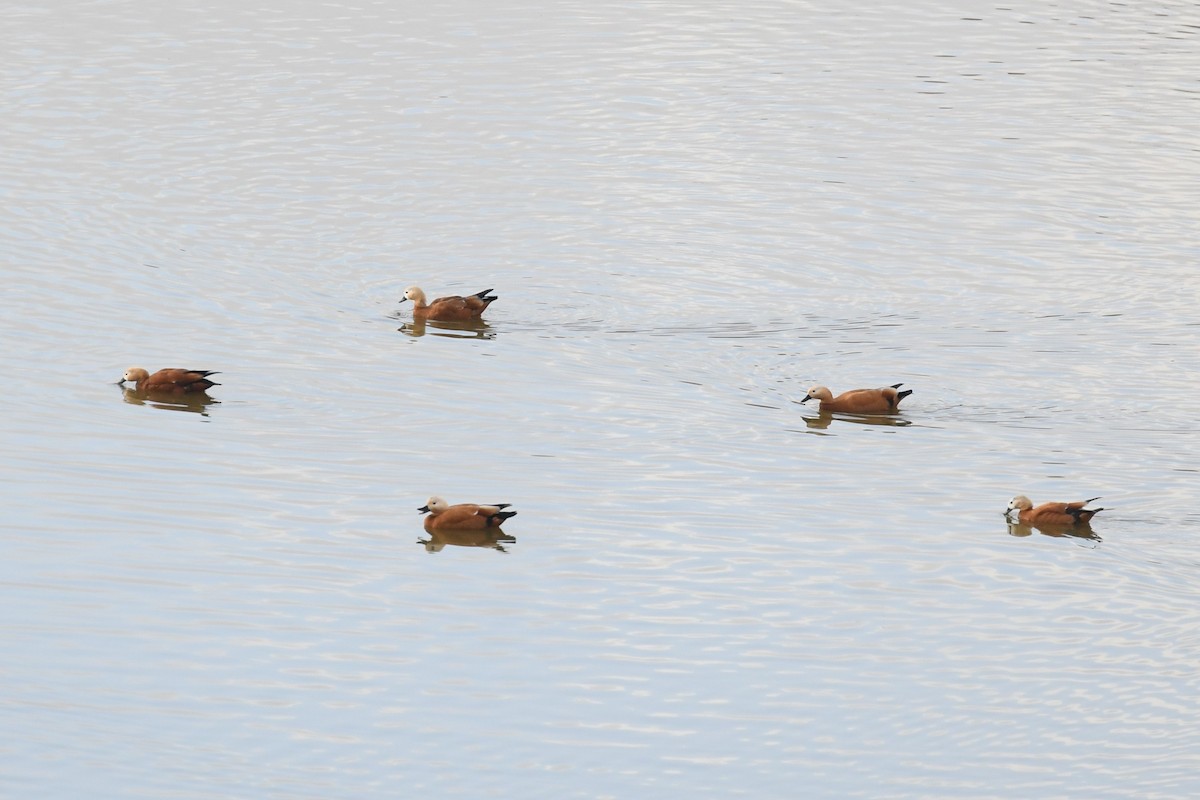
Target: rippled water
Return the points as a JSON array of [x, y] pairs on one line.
[[692, 212]]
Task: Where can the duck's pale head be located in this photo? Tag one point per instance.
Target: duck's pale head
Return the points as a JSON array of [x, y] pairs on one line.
[[435, 505], [1019, 503], [818, 393], [414, 293]]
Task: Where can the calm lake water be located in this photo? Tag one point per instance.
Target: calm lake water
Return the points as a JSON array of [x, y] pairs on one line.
[[691, 212]]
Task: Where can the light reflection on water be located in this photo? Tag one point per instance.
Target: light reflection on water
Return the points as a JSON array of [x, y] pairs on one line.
[[694, 213]]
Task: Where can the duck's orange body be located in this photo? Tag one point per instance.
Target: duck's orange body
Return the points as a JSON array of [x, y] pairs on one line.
[[1052, 513], [464, 516], [454, 308], [859, 401], [170, 381]]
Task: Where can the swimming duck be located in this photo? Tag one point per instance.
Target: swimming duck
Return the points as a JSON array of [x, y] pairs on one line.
[[859, 401], [464, 516], [453, 308]]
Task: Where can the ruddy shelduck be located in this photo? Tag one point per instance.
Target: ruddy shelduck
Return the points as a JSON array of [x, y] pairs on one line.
[[464, 516], [1052, 513], [454, 308], [170, 381], [859, 401]]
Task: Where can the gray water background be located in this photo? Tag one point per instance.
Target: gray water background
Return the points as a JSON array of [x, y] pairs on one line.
[[691, 213]]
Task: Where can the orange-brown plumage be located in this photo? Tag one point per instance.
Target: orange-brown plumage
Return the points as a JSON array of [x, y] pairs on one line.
[[170, 381], [1052, 513], [464, 516], [860, 401], [454, 308]]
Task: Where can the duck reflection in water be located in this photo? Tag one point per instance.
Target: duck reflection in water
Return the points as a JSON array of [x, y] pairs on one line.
[[826, 418], [196, 402], [471, 329], [493, 538], [1081, 531]]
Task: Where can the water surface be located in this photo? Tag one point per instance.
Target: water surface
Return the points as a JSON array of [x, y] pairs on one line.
[[691, 213]]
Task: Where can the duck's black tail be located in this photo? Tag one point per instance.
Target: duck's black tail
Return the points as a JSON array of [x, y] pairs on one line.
[[497, 519]]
